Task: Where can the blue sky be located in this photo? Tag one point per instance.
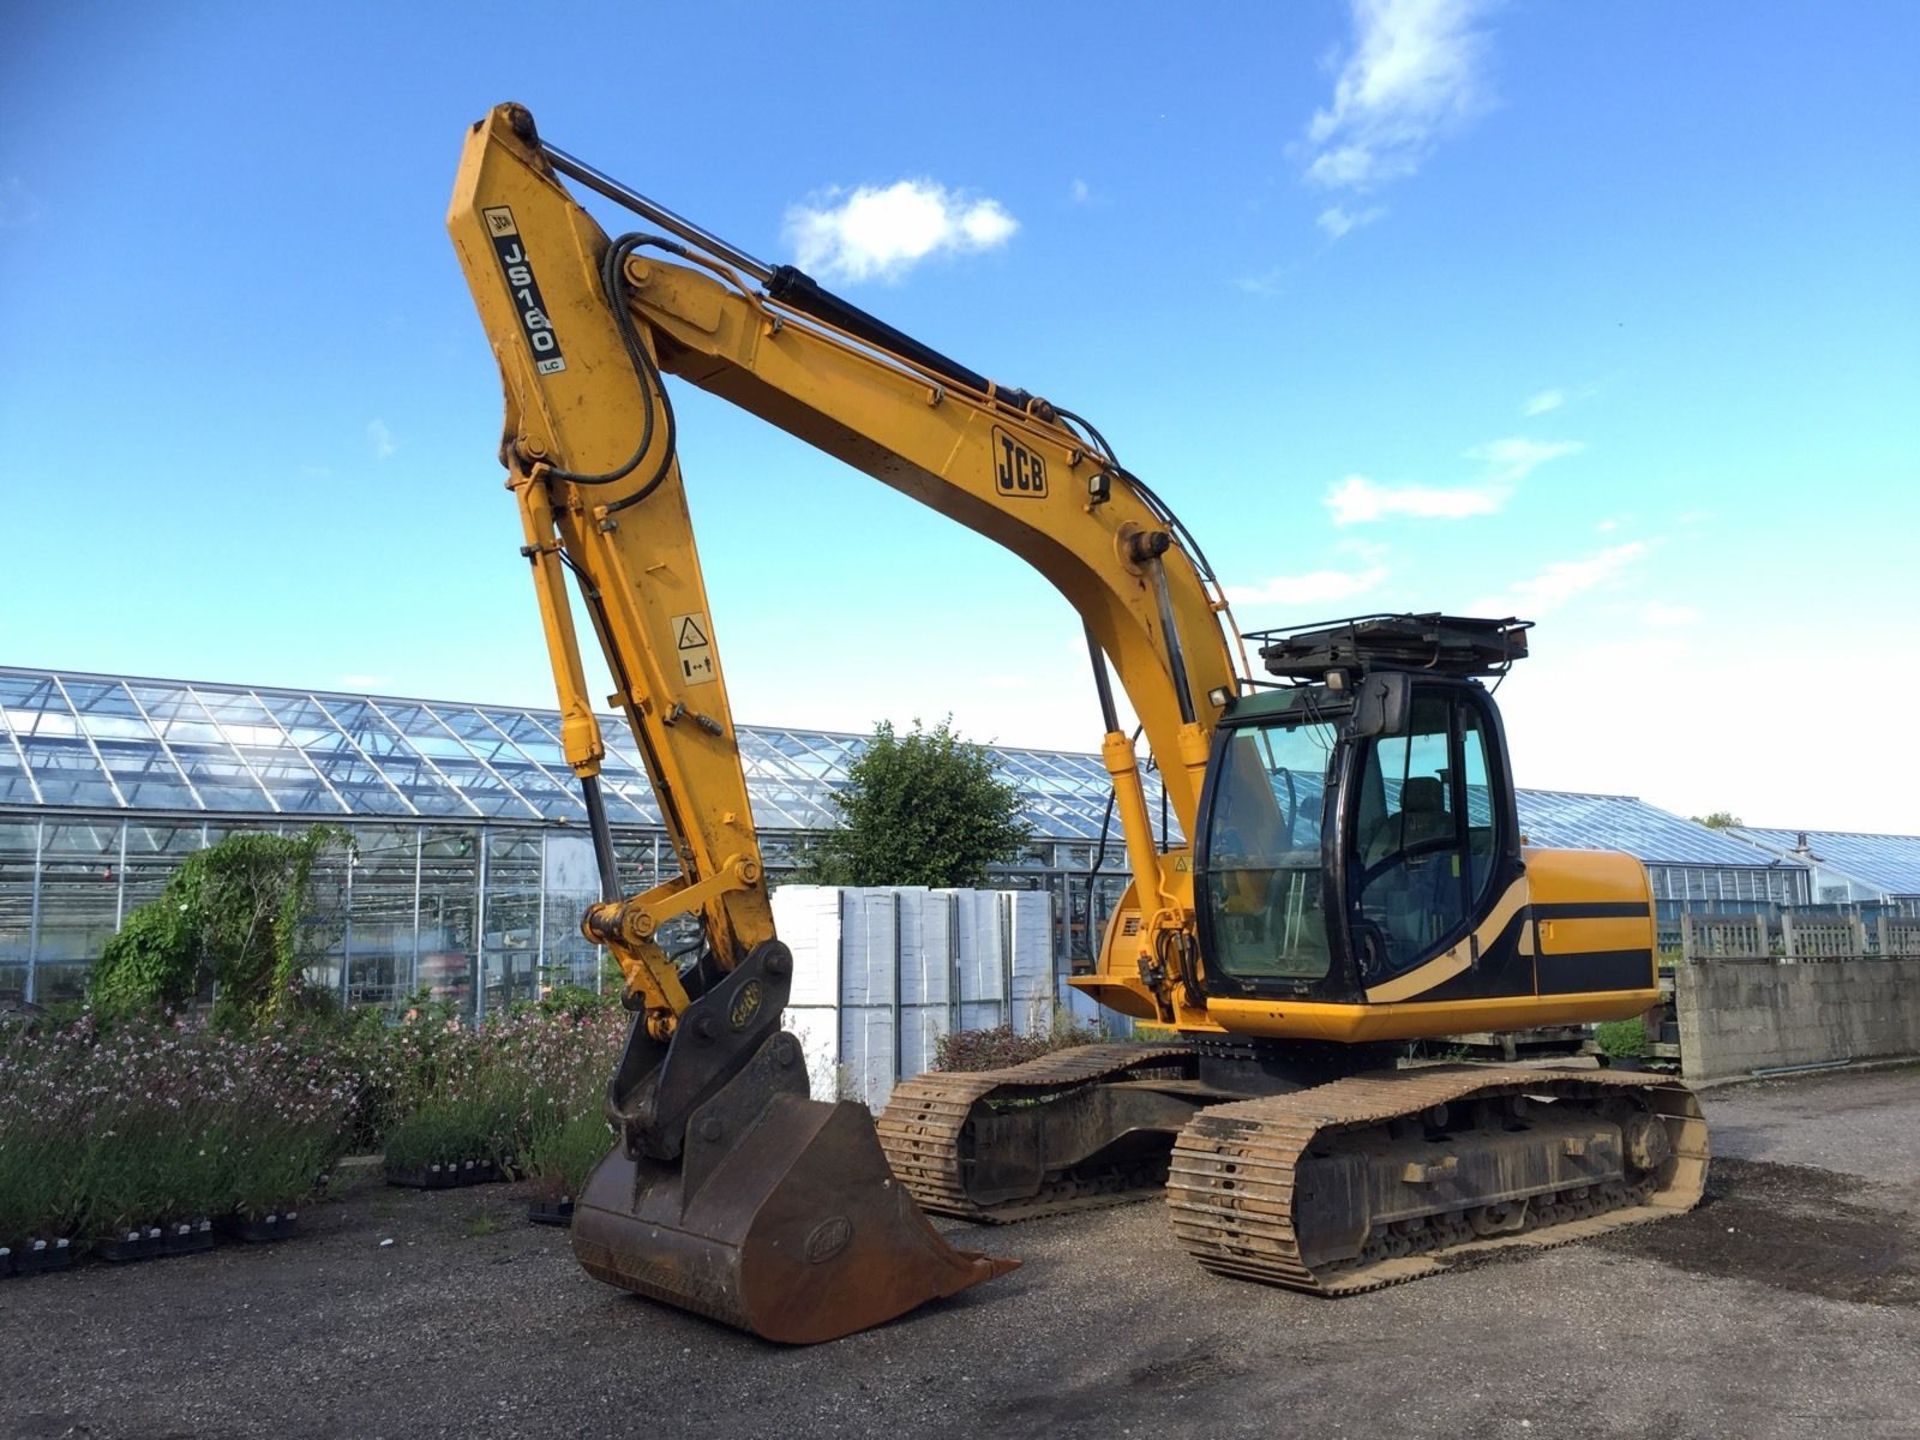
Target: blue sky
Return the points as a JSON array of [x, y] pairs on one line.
[[1607, 315]]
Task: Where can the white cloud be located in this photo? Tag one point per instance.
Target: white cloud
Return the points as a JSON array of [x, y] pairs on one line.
[[1357, 500], [1267, 284], [874, 233], [1337, 220], [1669, 617], [1562, 581], [1543, 402], [381, 438], [1413, 73], [1079, 192], [1313, 588], [1511, 460]]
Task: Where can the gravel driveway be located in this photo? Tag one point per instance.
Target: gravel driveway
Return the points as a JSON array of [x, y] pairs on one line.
[[1787, 1305]]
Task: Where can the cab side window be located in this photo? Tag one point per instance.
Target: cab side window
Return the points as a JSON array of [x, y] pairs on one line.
[[1423, 839]]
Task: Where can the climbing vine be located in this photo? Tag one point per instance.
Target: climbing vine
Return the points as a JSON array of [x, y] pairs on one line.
[[230, 921]]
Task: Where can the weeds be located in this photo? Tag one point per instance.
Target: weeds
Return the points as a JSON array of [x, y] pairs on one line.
[[1002, 1046], [1622, 1039]]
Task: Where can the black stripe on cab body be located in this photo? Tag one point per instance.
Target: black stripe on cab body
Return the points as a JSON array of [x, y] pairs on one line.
[[1587, 970], [1592, 910]]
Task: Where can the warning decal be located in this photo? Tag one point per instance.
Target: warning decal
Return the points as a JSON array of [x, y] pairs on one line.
[[693, 649]]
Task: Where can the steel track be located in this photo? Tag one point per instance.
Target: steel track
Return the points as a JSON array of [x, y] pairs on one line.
[[922, 1131], [1230, 1193]]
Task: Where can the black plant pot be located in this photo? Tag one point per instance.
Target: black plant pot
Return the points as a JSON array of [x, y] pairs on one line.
[[6, 1261], [139, 1243], [41, 1257], [551, 1212], [264, 1230], [187, 1237], [424, 1177]]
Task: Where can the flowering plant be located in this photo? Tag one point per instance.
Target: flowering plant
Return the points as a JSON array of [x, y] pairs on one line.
[[150, 1121]]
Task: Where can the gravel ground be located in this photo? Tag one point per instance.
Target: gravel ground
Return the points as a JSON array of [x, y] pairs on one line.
[[1787, 1305]]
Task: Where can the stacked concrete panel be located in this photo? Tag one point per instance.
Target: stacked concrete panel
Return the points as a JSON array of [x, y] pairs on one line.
[[880, 974]]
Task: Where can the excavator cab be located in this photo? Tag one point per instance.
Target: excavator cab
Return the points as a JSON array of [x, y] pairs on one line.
[[1358, 819]]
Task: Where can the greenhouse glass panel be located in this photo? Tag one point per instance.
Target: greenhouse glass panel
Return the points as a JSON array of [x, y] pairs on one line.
[[176, 714], [220, 776], [16, 784], [326, 747], [107, 711], [534, 739], [423, 731], [485, 791], [380, 920], [241, 718], [19, 846], [511, 949], [425, 789], [290, 780], [66, 772], [147, 776], [449, 906], [542, 791], [79, 892], [570, 877]]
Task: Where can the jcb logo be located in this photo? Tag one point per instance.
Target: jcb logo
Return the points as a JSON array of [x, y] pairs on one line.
[[1017, 470]]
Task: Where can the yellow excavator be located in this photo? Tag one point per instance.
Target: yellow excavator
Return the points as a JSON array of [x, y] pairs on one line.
[[1353, 875]]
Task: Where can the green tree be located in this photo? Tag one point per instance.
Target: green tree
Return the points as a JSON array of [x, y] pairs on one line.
[[1718, 820], [924, 808], [231, 916]]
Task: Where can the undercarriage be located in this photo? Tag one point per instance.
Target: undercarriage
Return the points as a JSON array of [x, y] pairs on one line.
[[1330, 1183]]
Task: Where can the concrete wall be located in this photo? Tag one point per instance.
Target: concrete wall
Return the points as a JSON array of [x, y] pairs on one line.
[[1737, 1016]]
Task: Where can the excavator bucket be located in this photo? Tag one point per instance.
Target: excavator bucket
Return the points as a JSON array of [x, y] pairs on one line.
[[733, 1195], [797, 1232]]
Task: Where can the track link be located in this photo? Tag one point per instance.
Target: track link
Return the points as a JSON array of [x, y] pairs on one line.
[[1236, 1175], [922, 1130]]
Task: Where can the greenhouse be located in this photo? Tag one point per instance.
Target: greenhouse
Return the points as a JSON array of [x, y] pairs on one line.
[[470, 861]]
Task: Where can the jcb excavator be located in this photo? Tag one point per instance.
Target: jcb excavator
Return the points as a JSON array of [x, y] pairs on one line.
[[1353, 876]]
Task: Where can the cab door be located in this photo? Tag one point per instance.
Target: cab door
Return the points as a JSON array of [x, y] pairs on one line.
[[1428, 828]]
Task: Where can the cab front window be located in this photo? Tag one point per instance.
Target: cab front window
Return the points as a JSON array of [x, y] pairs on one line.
[[1263, 879]]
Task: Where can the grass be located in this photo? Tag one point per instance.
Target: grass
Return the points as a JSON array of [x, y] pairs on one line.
[[481, 1224]]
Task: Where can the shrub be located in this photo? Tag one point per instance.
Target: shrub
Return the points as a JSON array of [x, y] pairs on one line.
[[924, 808]]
